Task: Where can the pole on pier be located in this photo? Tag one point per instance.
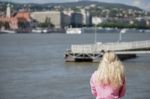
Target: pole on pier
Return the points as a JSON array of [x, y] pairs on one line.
[[96, 22], [95, 36], [120, 37], [120, 34]]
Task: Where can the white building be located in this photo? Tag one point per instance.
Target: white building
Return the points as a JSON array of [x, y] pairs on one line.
[[86, 17], [96, 20], [8, 11], [56, 17]]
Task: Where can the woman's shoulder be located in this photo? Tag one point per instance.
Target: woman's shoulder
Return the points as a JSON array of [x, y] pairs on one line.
[[94, 73], [93, 77]]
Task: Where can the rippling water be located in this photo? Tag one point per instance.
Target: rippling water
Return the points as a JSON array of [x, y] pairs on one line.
[[32, 67]]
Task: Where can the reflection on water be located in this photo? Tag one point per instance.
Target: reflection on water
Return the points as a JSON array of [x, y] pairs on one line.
[[32, 67]]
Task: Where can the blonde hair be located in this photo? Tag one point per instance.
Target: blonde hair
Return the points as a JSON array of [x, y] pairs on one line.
[[110, 70]]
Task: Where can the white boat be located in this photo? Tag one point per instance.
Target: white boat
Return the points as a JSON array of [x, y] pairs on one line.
[[40, 30], [7, 31], [37, 30], [123, 31], [73, 31]]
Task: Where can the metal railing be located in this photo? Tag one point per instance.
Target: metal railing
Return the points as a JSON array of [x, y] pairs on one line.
[[92, 48]]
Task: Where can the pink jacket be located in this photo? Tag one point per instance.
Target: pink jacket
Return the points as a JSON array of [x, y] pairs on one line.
[[106, 91]]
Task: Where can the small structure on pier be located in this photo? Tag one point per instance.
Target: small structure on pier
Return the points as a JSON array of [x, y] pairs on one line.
[[93, 52]]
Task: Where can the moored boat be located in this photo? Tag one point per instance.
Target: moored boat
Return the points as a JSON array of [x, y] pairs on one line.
[[73, 31], [7, 31]]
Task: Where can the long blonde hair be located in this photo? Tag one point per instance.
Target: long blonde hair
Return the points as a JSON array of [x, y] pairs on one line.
[[110, 70]]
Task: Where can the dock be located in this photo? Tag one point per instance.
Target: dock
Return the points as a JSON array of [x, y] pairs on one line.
[[93, 52]]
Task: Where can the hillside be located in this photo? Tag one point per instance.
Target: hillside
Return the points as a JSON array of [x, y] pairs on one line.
[[95, 8], [70, 5], [101, 4]]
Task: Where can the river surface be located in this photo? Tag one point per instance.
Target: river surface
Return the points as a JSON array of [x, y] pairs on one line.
[[32, 66]]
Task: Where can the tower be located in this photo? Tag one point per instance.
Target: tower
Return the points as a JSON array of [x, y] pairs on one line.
[[8, 11]]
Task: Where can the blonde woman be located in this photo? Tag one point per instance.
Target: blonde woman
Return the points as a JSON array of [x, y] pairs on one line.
[[108, 81]]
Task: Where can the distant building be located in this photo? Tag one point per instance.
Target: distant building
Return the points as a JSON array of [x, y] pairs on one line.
[[8, 11], [131, 22], [148, 22], [96, 20], [54, 16], [23, 14], [76, 19], [67, 18], [86, 17], [13, 20]]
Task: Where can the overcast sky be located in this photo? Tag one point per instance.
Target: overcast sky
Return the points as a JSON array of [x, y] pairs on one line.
[[145, 4]]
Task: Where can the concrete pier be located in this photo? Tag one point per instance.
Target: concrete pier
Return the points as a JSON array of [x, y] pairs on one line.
[[93, 52]]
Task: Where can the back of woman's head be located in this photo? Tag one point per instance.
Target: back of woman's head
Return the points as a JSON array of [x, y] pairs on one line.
[[110, 70], [109, 57]]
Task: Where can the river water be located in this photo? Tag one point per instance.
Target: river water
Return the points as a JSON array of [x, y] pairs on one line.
[[32, 66]]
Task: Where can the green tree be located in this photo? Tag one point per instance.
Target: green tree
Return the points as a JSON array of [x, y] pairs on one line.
[[46, 24], [4, 24]]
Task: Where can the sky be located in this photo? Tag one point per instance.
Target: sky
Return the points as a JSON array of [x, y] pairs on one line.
[[144, 4]]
